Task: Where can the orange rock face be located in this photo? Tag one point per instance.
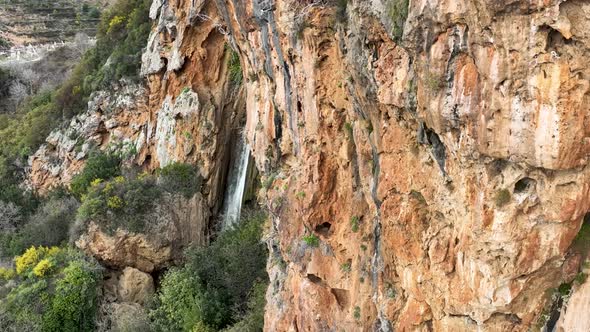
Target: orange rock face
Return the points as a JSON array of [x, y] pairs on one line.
[[443, 173], [425, 171]]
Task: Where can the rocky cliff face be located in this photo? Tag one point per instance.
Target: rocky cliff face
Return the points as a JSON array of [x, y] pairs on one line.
[[188, 111], [425, 162], [428, 159]]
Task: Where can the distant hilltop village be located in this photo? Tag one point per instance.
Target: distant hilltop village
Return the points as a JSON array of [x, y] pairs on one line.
[[30, 52]]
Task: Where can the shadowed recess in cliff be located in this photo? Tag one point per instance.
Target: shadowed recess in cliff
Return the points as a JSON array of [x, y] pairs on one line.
[[429, 137]]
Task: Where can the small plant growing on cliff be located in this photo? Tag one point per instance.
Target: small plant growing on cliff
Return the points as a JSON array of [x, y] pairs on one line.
[[348, 130], [99, 166], [502, 197], [234, 66], [268, 181], [390, 291], [354, 223], [417, 196], [363, 247], [301, 26], [369, 127], [357, 313], [346, 267], [300, 195], [311, 240], [434, 82], [397, 10], [581, 278]]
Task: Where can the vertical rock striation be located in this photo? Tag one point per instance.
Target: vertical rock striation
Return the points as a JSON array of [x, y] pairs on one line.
[[425, 161]]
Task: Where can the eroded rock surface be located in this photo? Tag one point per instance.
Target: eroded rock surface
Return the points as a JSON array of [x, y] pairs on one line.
[[173, 224], [439, 157], [135, 286], [426, 161]]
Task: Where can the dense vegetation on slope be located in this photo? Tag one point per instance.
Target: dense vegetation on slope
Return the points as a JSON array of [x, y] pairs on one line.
[[121, 36], [51, 289], [54, 287], [220, 287]]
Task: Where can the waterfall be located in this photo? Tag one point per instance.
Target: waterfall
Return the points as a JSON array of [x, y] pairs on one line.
[[236, 183]]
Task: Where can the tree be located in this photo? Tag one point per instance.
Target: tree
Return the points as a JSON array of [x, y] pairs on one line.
[[10, 216], [18, 92]]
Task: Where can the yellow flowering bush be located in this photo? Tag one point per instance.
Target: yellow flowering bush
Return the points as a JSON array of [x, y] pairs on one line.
[[41, 269], [119, 179], [6, 274], [32, 257], [116, 22], [29, 259], [95, 182], [54, 251], [108, 187], [115, 202]]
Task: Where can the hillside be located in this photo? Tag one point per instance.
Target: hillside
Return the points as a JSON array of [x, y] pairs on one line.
[[34, 22], [305, 165]]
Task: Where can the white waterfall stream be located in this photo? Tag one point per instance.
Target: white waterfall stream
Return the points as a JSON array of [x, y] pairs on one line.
[[236, 183]]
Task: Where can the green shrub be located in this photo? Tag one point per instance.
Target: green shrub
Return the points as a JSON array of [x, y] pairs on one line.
[[357, 313], [120, 203], [48, 226], [220, 285], [581, 242], [253, 319], [183, 302], [354, 224], [348, 129], [74, 304], [56, 290], [311, 240], [235, 67], [98, 166], [180, 178], [4, 43], [346, 267], [434, 82], [341, 15], [268, 181]]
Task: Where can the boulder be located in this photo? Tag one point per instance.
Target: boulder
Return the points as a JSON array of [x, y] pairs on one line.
[[135, 286]]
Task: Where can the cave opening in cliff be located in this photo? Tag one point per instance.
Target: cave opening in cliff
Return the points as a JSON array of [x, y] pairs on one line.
[[524, 185], [324, 229]]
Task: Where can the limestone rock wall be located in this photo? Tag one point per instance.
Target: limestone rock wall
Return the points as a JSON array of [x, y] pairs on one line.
[[425, 169], [425, 163], [186, 110]]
